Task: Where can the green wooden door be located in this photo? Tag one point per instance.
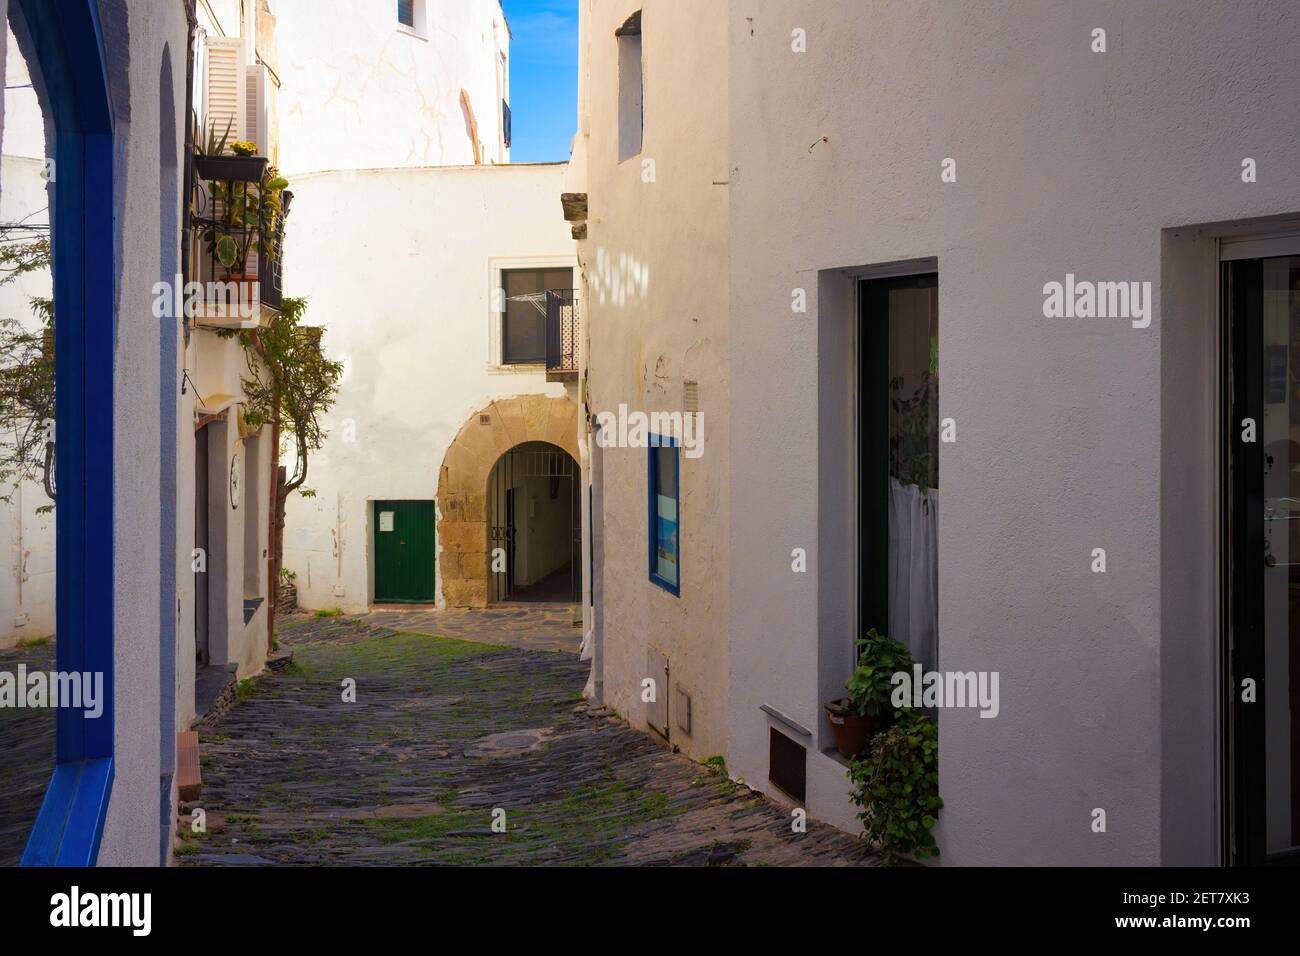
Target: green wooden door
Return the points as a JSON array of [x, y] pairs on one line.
[[403, 552]]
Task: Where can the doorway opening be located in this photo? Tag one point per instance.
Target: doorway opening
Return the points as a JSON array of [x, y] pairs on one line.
[[898, 462], [404, 552], [1261, 665], [534, 526]]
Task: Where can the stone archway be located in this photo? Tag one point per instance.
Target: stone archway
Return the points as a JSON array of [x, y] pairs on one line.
[[463, 482]]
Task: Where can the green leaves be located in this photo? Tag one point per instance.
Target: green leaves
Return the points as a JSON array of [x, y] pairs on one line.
[[226, 249], [897, 785], [27, 378], [869, 687]]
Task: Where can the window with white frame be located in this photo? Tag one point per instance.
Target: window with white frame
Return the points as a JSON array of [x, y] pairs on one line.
[[523, 314], [412, 17]]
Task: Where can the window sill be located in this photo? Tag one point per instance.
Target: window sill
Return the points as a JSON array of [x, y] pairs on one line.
[[411, 32], [520, 368], [673, 589], [71, 820], [832, 753]]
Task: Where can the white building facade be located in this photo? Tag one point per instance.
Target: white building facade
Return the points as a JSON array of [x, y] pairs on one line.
[[840, 168], [428, 257]]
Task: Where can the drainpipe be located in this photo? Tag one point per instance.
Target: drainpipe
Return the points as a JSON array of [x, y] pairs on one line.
[[188, 170], [273, 528]]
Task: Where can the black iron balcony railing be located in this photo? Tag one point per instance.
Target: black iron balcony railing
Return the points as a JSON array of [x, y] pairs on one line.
[[237, 239], [562, 331]]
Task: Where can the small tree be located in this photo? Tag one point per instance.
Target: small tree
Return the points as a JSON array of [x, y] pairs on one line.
[[291, 384], [27, 380]]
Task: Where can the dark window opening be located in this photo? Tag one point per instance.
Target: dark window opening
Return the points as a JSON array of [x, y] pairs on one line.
[[665, 514], [523, 322], [899, 462]]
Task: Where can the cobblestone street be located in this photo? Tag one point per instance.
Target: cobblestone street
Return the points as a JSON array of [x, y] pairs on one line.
[[445, 731], [26, 753]]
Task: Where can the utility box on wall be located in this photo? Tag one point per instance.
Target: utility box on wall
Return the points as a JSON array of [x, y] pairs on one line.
[[656, 709]]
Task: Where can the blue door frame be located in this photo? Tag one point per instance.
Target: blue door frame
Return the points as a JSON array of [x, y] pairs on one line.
[[67, 41]]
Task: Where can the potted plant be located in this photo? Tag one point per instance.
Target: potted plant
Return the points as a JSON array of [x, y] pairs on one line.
[[896, 783], [246, 210], [866, 706], [214, 164]]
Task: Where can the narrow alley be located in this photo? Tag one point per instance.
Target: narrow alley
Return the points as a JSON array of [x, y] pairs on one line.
[[444, 734]]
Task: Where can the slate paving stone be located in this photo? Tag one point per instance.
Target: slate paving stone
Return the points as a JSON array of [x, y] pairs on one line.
[[26, 755], [443, 733]]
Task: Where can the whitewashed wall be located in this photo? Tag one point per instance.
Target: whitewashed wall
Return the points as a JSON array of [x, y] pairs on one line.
[[399, 265], [362, 91], [1071, 434], [657, 305]]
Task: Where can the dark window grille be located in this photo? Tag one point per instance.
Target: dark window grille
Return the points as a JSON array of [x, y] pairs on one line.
[[505, 122], [216, 181], [562, 330], [406, 13]]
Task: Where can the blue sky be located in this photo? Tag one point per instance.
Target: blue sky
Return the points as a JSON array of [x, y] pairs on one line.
[[543, 78]]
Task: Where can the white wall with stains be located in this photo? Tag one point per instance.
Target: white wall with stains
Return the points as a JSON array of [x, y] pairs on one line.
[[656, 287], [368, 92], [400, 266], [1071, 434]]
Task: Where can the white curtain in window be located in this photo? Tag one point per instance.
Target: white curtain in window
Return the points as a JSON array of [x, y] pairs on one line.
[[914, 570]]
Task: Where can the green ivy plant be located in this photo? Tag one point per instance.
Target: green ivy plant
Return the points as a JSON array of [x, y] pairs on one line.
[[291, 384], [27, 379], [896, 783], [869, 687]]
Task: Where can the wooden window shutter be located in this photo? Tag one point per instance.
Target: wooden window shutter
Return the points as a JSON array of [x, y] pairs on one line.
[[256, 127], [201, 85], [226, 83]]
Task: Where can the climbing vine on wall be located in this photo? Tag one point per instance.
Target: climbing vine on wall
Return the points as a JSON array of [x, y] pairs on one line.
[[291, 384], [27, 379]]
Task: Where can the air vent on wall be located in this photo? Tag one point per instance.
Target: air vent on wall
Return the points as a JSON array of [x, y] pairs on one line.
[[690, 397], [682, 708], [656, 709], [787, 765]]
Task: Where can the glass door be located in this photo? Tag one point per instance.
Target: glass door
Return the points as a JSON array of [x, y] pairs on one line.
[[1262, 299], [898, 462]]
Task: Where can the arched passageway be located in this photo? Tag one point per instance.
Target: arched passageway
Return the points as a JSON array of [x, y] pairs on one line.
[[464, 548], [534, 525]]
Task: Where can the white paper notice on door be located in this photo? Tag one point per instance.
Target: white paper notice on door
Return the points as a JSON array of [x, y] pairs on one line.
[[385, 521]]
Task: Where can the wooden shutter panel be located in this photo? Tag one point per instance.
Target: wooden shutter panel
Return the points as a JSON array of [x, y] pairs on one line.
[[201, 86], [227, 83], [257, 126]]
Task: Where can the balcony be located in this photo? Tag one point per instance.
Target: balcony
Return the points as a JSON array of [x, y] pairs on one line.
[[562, 331], [236, 242]]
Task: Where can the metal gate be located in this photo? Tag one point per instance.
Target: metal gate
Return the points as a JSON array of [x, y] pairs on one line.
[[530, 460]]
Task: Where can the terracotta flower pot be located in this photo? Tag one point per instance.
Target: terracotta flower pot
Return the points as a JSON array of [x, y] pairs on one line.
[[852, 732]]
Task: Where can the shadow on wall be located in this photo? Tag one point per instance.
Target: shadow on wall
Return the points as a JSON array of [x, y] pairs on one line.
[[618, 279]]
